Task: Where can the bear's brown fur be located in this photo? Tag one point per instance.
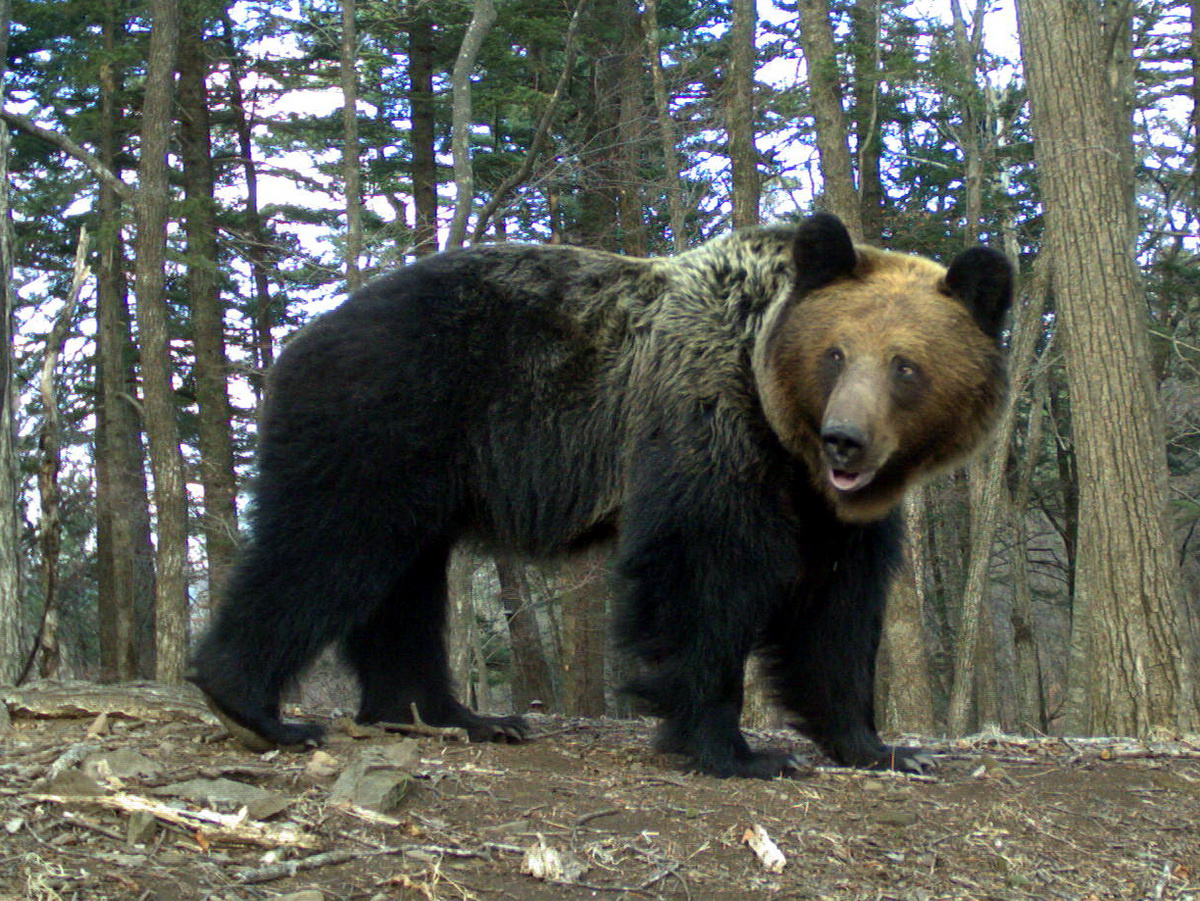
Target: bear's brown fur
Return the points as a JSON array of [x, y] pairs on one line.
[[913, 370]]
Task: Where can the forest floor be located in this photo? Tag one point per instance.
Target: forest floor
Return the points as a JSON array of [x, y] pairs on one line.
[[134, 793]]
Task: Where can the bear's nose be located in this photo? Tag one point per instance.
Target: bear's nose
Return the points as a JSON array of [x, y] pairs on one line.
[[844, 443]]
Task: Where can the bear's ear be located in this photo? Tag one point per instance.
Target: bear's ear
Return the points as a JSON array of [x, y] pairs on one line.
[[823, 252], [982, 279]]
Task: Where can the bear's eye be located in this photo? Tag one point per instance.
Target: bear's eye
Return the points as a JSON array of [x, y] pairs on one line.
[[835, 356], [905, 370], [909, 383]]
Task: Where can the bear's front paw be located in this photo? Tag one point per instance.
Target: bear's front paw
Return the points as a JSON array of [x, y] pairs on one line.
[[768, 764]]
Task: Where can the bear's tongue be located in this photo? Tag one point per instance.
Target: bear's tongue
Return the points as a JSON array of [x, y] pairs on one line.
[[849, 481]]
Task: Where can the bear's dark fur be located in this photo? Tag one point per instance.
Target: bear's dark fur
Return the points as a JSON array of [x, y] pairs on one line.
[[744, 416]]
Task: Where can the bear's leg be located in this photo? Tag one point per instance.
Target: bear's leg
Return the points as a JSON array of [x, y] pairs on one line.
[[285, 600], [696, 593], [820, 653], [399, 655]]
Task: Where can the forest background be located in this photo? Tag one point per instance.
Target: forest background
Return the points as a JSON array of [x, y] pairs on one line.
[[186, 184]]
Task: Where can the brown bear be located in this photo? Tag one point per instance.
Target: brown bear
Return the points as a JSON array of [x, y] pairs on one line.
[[742, 419]]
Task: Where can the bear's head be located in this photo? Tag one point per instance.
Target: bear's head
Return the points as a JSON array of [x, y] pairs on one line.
[[882, 368]]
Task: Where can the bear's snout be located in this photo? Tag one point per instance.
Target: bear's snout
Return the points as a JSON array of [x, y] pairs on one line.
[[848, 462], [844, 444]]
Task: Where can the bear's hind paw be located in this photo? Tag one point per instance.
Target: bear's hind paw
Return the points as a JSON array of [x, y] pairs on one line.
[[267, 735]]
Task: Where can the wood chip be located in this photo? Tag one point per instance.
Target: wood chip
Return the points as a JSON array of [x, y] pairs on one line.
[[765, 849]]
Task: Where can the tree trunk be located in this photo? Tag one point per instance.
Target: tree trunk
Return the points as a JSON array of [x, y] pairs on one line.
[[866, 44], [461, 627], [543, 130], [1127, 585], [482, 19], [166, 461], [584, 631], [124, 550], [666, 128], [739, 114], [987, 486], [967, 41], [255, 236], [630, 122], [531, 672], [421, 135], [351, 171], [215, 429], [905, 692], [10, 523], [46, 649], [1031, 704], [825, 89]]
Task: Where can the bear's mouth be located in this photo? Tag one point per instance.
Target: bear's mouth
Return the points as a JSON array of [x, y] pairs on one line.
[[846, 481]]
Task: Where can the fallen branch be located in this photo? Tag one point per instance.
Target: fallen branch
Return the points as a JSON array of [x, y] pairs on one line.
[[291, 867], [208, 826]]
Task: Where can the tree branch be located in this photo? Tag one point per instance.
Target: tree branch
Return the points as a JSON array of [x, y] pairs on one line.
[[69, 147], [539, 138]]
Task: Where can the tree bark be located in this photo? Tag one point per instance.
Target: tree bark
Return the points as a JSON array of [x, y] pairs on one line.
[[967, 42], [351, 170], [739, 114], [531, 672], [630, 138], [987, 486], [482, 19], [1127, 587], [215, 429], [825, 89], [584, 631], [46, 649], [166, 461], [866, 43], [125, 551], [1031, 701], [543, 130], [421, 135], [905, 691], [255, 236], [10, 523], [666, 128]]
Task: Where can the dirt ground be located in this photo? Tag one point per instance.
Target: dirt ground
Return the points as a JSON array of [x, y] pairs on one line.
[[136, 794]]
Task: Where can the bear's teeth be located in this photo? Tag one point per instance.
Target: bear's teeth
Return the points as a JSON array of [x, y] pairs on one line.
[[849, 481]]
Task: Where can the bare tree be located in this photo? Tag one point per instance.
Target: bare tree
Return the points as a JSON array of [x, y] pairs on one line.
[[166, 460], [351, 168], [215, 430], [987, 487], [1126, 586], [10, 598], [46, 651], [540, 135], [583, 634], [460, 88], [124, 549], [666, 128], [825, 90], [739, 114], [531, 671], [254, 235]]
